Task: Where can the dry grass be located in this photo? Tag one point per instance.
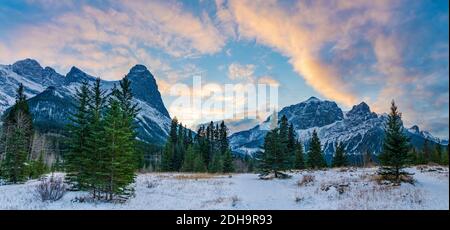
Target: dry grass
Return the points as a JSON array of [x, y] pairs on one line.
[[195, 176], [189, 176], [306, 180]]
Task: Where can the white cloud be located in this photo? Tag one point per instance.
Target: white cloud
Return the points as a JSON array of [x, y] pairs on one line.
[[238, 71], [110, 40]]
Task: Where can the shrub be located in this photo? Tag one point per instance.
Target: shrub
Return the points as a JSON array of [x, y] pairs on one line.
[[51, 189], [306, 180]]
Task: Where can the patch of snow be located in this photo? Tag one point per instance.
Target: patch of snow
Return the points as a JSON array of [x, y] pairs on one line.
[[181, 191]]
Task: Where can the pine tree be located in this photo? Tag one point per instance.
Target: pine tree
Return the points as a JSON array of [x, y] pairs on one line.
[[75, 159], [274, 158], [339, 159], [118, 147], [315, 155], [57, 165], [40, 167], [95, 157], [189, 160], [17, 132], [118, 152], [228, 162], [444, 160], [426, 152], [167, 157], [216, 164], [199, 163], [413, 156], [223, 138], [437, 154], [394, 155], [299, 156]]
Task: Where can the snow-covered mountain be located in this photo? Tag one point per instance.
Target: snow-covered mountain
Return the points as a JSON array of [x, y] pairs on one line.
[[51, 96], [359, 129]]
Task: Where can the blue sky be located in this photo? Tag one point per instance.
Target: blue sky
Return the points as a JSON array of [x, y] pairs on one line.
[[346, 51]]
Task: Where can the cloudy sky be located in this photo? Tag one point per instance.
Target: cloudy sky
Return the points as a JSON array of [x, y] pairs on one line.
[[346, 51]]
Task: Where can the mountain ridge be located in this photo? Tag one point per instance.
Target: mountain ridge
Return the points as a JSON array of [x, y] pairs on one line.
[[51, 96], [360, 129]]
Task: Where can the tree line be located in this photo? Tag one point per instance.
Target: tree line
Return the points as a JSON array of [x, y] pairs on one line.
[[206, 151], [283, 151], [16, 161]]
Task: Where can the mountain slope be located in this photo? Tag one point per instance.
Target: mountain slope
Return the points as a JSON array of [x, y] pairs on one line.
[[51, 96], [359, 129]]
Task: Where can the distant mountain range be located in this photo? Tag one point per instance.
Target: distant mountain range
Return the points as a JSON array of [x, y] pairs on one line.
[[51, 99], [359, 129], [51, 96]]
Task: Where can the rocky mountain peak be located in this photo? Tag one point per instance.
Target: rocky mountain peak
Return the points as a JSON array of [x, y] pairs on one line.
[[312, 113], [28, 67], [145, 88], [77, 75]]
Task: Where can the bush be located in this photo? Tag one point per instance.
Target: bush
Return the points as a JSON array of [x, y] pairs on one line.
[[51, 189], [306, 180]]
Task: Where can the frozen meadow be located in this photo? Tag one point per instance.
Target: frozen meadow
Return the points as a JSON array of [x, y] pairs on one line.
[[353, 188]]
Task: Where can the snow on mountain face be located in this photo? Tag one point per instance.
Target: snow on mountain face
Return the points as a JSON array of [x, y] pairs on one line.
[[312, 113], [360, 130], [51, 96]]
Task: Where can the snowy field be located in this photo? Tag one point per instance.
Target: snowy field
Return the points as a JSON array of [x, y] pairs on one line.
[[331, 189]]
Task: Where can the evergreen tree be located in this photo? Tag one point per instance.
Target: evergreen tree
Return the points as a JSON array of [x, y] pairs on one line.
[[118, 151], [199, 163], [173, 130], [444, 160], [228, 162], [413, 156], [216, 164], [339, 159], [394, 155], [299, 156], [437, 154], [57, 165], [95, 158], [223, 138], [167, 157], [17, 133], [78, 132], [274, 158], [189, 160], [426, 152], [40, 167], [315, 156]]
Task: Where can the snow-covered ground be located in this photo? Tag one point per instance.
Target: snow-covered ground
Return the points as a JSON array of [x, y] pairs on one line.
[[245, 191]]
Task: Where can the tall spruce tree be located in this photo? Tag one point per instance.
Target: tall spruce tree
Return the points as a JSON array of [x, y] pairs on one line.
[[444, 160], [339, 159], [426, 151], [167, 157], [437, 154], [95, 157], [78, 132], [189, 160], [315, 157], [17, 133], [274, 158], [394, 155], [299, 156], [223, 138], [118, 170], [228, 162]]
